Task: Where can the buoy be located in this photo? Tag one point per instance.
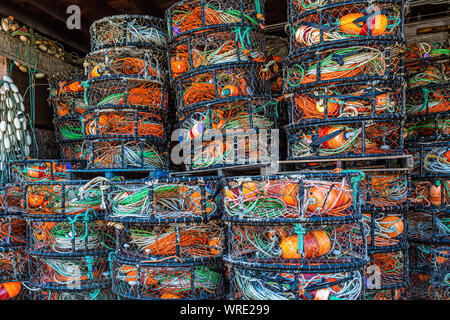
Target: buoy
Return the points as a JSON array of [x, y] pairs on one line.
[[197, 130], [435, 194], [170, 296], [178, 66], [35, 200], [9, 290], [229, 91], [375, 24], [334, 142], [315, 243], [336, 198], [394, 225]]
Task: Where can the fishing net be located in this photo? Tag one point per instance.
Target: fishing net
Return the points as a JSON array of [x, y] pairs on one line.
[[428, 100], [441, 267], [69, 273], [66, 94], [13, 232], [345, 138], [147, 280], [219, 47], [128, 31], [397, 294], [429, 227], [220, 84], [387, 269], [11, 200], [68, 129], [303, 197], [347, 100], [176, 243], [72, 150], [345, 22], [99, 294], [188, 17], [13, 264], [385, 229], [174, 200], [431, 159], [430, 194], [428, 128], [384, 190], [254, 283], [144, 153], [423, 289]]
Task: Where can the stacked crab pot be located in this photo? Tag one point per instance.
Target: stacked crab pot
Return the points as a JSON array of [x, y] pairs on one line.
[[169, 239], [124, 126], [427, 139], [297, 236], [344, 79], [221, 81], [67, 243]]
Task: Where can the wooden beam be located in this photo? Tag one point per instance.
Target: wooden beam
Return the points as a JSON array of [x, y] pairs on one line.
[[45, 62], [3, 66], [10, 9], [100, 7], [146, 7]]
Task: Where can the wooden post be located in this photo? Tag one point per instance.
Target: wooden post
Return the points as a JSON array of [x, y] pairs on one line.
[[3, 66]]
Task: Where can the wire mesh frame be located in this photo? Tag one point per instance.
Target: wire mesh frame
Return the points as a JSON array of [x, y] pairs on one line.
[[11, 200], [67, 106], [128, 31], [123, 122], [388, 269], [221, 150], [322, 24], [306, 5], [344, 63], [263, 283], [441, 267], [305, 197], [13, 232], [245, 14], [126, 91], [147, 280], [45, 169], [68, 129], [385, 191], [242, 80], [144, 153], [432, 127], [386, 230], [149, 63], [171, 243], [61, 80], [428, 228], [356, 100], [428, 72], [69, 274], [396, 294], [363, 139], [68, 237], [219, 46], [421, 257], [423, 289], [429, 100], [98, 294], [72, 150], [431, 194], [430, 159], [60, 199], [197, 200], [13, 262]]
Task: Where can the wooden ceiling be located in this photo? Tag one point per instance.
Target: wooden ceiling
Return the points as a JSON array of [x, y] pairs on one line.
[[49, 16]]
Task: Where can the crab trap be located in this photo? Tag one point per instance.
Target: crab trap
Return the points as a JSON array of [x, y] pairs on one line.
[[397, 294], [147, 63], [426, 50], [220, 46], [66, 94], [259, 283], [385, 230], [432, 127], [387, 269], [243, 115], [385, 190], [423, 289], [430, 159], [190, 17], [27, 171], [302, 247], [72, 150], [171, 243], [11, 200], [13, 264], [334, 139], [60, 199], [359, 100], [158, 280], [126, 91], [221, 84], [422, 256], [69, 273], [13, 232], [51, 295], [429, 227], [303, 197], [123, 122], [431, 194], [432, 99], [370, 60], [429, 72], [68, 129], [345, 21], [122, 153], [165, 200], [128, 31], [78, 236], [441, 267]]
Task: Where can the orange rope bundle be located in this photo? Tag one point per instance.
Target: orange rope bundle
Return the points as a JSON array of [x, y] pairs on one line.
[[148, 94], [17, 234], [189, 18], [199, 92], [133, 66]]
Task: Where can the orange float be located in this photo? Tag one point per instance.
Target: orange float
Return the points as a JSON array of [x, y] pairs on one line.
[[394, 225], [35, 200], [178, 66], [354, 23], [337, 199], [9, 290], [435, 194], [315, 243], [335, 142]]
